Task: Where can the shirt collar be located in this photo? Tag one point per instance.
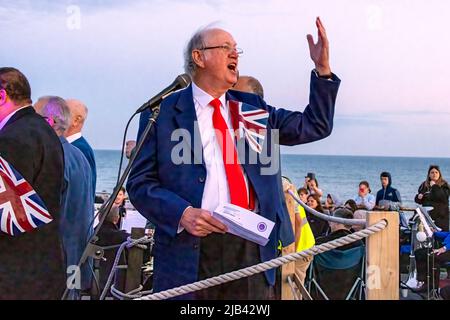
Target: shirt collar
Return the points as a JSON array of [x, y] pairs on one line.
[[74, 137], [203, 98], [9, 116]]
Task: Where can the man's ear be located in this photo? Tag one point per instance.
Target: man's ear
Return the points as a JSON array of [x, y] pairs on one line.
[[77, 120], [198, 58]]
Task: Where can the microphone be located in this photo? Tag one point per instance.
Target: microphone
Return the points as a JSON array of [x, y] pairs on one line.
[[180, 82]]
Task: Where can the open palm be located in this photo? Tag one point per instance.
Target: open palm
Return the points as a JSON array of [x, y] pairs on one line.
[[320, 51]]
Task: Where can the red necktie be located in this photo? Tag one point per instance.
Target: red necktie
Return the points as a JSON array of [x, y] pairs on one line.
[[233, 169]]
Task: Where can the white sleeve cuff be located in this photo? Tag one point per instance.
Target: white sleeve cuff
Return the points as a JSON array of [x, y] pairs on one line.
[[180, 227]]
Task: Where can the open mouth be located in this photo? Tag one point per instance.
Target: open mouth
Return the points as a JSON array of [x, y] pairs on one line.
[[232, 67]]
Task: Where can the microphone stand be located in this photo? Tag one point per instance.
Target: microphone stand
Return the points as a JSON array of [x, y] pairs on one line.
[[92, 250]]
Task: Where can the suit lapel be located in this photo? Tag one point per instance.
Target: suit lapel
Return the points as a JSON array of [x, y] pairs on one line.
[[187, 119]]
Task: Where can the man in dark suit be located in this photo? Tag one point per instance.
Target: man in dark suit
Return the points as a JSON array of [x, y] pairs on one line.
[[78, 113], [177, 184], [77, 210], [31, 264]]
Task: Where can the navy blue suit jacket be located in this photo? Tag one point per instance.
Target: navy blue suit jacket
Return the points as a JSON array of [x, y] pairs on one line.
[[161, 190], [77, 209], [85, 148]]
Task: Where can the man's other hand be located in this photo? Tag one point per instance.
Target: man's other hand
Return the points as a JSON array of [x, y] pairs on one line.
[[200, 223]]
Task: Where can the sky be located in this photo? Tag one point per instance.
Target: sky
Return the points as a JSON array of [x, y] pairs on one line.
[[392, 58]]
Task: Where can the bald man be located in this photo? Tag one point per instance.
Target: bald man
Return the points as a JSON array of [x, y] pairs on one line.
[[249, 84], [78, 115]]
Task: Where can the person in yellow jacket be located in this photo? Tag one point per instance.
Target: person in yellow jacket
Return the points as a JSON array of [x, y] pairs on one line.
[[304, 237]]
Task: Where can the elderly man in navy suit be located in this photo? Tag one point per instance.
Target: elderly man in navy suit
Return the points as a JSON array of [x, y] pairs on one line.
[[178, 196]]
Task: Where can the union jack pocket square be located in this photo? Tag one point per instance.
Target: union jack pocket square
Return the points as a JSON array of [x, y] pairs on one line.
[[21, 209], [251, 123]]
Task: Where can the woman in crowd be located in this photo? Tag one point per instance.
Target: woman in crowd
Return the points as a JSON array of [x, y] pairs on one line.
[[120, 203], [351, 204], [365, 200], [312, 185], [319, 227], [332, 202], [434, 192]]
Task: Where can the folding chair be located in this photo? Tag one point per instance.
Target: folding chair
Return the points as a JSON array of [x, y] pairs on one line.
[[338, 275]]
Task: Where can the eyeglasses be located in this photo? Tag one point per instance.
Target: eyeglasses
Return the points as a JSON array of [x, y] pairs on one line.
[[225, 48]]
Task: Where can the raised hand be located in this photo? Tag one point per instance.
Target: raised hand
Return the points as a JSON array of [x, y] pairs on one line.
[[319, 51]]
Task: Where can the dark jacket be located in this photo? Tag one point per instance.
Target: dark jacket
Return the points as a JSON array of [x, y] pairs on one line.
[[31, 264], [436, 197], [388, 193], [85, 148], [319, 227]]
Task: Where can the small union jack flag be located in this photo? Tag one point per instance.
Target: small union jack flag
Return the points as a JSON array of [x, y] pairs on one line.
[[251, 123], [21, 209]]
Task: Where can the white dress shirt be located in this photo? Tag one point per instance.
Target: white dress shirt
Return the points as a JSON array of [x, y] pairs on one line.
[[216, 185], [74, 137], [216, 190], [9, 116]]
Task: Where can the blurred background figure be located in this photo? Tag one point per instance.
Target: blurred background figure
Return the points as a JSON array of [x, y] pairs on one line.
[[332, 202], [387, 193], [77, 209], [312, 185], [78, 116], [119, 202], [110, 235], [319, 227], [130, 148], [365, 200], [434, 192], [249, 84], [351, 205]]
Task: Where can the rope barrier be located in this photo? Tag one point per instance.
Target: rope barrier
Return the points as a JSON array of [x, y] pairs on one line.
[[264, 266], [140, 243], [353, 222], [133, 294]]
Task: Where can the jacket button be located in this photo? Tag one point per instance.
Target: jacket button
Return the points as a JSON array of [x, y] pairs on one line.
[[195, 246], [201, 179]]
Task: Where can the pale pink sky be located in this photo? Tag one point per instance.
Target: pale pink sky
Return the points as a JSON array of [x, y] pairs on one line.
[[392, 57]]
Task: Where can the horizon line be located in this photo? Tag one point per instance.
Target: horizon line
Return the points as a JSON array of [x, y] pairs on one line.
[[332, 155]]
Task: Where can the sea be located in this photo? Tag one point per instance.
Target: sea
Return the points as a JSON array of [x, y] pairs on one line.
[[335, 174]]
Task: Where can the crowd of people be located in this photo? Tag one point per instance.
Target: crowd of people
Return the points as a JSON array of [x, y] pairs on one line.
[[433, 192]]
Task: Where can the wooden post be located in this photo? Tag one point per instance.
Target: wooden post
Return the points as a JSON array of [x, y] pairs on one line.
[[382, 258], [288, 269], [135, 260], [120, 279]]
